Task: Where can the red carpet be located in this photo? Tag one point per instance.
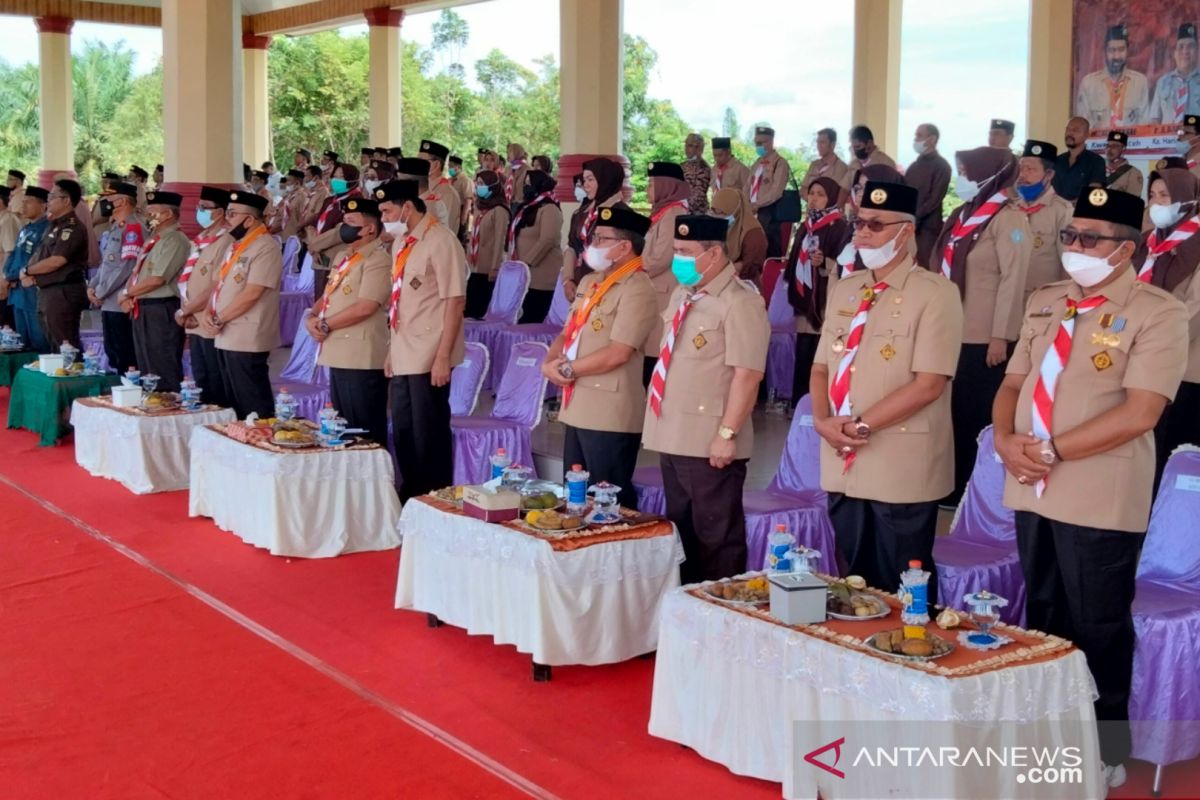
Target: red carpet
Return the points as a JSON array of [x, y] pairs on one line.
[[118, 679]]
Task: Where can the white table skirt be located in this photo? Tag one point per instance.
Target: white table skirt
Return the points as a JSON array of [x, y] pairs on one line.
[[730, 686], [145, 454], [308, 505], [595, 605]]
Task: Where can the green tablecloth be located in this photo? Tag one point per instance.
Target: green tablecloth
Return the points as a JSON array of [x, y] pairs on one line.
[[42, 404], [11, 362]]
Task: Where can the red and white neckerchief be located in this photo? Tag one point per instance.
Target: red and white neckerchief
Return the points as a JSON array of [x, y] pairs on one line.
[[336, 276], [137, 271], [804, 273], [433, 195], [330, 205], [719, 176], [1181, 98], [473, 242], [1112, 166], [1155, 248], [657, 215], [511, 245], [1029, 211], [962, 229], [839, 389], [1191, 163], [658, 380], [235, 252], [848, 259], [199, 244], [577, 321], [1053, 363], [589, 222], [510, 178], [398, 275], [756, 181]]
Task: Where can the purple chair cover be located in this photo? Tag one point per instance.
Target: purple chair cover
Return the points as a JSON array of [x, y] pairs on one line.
[[648, 483], [502, 340], [981, 550], [466, 380], [1166, 617], [300, 281], [781, 352], [292, 306], [187, 361], [93, 338], [512, 282], [517, 411], [291, 255], [306, 381]]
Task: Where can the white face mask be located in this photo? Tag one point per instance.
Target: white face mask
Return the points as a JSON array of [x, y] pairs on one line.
[[1165, 216], [372, 185], [919, 146], [876, 257], [966, 189], [397, 229], [1086, 270], [310, 184], [597, 258], [580, 194]]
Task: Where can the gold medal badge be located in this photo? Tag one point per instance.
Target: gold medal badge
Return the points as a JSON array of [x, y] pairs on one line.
[[1102, 361], [838, 345], [597, 325], [888, 352], [699, 341]]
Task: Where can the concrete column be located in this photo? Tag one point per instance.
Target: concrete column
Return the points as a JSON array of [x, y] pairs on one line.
[[56, 111], [256, 104], [387, 51], [202, 96], [876, 95], [1048, 102]]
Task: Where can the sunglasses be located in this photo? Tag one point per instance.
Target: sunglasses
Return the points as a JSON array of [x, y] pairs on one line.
[[875, 225], [1068, 237]]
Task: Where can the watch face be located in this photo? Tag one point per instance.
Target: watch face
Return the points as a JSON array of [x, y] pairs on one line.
[[1048, 457]]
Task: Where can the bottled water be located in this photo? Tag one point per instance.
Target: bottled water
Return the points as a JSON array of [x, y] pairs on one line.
[[285, 405], [779, 550], [500, 462], [914, 593], [326, 417], [576, 489]]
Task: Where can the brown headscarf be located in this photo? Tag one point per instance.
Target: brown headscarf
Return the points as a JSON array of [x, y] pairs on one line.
[[1176, 266], [874, 172], [994, 169], [831, 238], [526, 213], [610, 178], [496, 184], [733, 202], [667, 191]]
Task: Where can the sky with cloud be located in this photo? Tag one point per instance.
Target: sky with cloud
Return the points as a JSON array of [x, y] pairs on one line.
[[785, 63]]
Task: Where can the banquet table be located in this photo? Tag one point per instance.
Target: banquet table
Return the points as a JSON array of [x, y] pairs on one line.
[[582, 599], [11, 361], [41, 403], [145, 452], [735, 685], [314, 503]]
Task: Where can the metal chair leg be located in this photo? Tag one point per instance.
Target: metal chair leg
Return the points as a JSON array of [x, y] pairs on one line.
[[1158, 774]]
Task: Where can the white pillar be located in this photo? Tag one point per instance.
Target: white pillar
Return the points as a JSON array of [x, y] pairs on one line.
[[387, 55], [256, 110], [56, 107], [876, 98]]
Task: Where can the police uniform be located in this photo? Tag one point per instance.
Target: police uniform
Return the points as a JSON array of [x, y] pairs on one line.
[[772, 174], [1095, 103], [355, 354], [117, 257], [245, 343], [442, 188], [660, 240], [1125, 177], [603, 412], [1168, 105], [1047, 215], [62, 294], [725, 328], [884, 515], [157, 337], [1079, 542], [434, 272], [733, 174], [206, 364]]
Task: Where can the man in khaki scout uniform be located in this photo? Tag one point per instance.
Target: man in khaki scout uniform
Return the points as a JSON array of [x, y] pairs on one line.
[[428, 283], [243, 309], [1047, 213], [1119, 174], [349, 320], [417, 169], [209, 249], [711, 361], [660, 239], [827, 165], [865, 151], [440, 187], [597, 358], [727, 171], [1114, 95], [465, 187], [1001, 132], [151, 296], [769, 176], [1099, 358], [881, 395]]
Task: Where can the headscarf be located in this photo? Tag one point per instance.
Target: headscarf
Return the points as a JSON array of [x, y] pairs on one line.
[[733, 202], [526, 213], [520, 151], [383, 171], [610, 178], [496, 197], [833, 191], [1168, 273], [668, 191], [349, 175], [874, 172], [994, 169], [832, 237]]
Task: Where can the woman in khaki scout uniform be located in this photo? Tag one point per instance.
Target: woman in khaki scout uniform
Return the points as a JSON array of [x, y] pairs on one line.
[[668, 193], [595, 358], [711, 361], [602, 184], [881, 395], [990, 245], [516, 172], [243, 308], [535, 238], [1047, 213], [292, 205], [746, 242], [209, 250], [440, 187], [485, 246], [349, 320], [425, 320], [1080, 452], [1174, 196]]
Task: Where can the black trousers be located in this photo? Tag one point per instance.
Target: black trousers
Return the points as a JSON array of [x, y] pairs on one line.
[[536, 305], [158, 342], [320, 278], [705, 504], [59, 308], [1179, 424], [117, 328], [479, 294], [806, 353], [607, 456], [421, 434], [876, 540], [766, 218], [648, 365], [247, 382], [361, 397], [7, 317], [1079, 585], [206, 371], [974, 389]]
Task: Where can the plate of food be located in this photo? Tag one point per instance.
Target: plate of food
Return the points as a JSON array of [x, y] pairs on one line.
[[892, 643], [749, 592], [159, 401], [846, 603], [294, 440], [551, 520], [541, 496]]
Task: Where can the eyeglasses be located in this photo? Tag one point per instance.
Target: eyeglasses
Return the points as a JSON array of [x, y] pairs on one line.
[[875, 225], [1068, 236], [598, 239]]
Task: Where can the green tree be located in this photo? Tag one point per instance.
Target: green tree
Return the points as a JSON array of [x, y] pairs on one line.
[[318, 92], [102, 79], [20, 142], [132, 140]]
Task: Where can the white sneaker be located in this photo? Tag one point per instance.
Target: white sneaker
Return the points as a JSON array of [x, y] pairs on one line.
[[1114, 776]]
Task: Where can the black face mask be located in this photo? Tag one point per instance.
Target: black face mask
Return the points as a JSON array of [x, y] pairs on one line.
[[106, 208], [530, 192], [239, 231], [860, 153], [349, 233]]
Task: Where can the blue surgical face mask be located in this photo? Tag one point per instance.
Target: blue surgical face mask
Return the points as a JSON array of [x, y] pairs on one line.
[[761, 150], [338, 185], [684, 269], [204, 217], [482, 191], [1031, 192]]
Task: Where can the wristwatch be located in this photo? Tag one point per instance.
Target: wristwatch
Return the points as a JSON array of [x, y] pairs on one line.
[[1049, 453], [567, 370], [862, 428], [727, 433], [323, 327]]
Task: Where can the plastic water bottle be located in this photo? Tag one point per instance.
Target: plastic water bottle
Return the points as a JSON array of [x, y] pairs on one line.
[[779, 549], [500, 462], [285, 405], [772, 404], [326, 417], [576, 489], [914, 592]]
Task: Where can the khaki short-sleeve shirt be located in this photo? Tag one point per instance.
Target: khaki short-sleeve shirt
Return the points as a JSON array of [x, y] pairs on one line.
[[435, 272], [257, 330], [165, 260], [204, 272], [996, 269], [364, 344]]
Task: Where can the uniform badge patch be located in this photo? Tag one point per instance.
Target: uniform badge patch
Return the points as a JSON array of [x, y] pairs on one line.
[[346, 289], [65, 235], [1037, 243], [597, 324], [699, 341], [1017, 236], [838, 345], [888, 352], [239, 277], [1102, 360], [415, 283]]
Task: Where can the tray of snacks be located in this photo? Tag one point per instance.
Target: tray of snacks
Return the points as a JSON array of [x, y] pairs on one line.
[[748, 592], [450, 494], [892, 643], [846, 602], [157, 402], [551, 520], [539, 495], [292, 438]]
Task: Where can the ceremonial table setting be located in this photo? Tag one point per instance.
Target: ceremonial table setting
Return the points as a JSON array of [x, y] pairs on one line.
[[14, 355], [734, 681], [44, 390], [573, 587]]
